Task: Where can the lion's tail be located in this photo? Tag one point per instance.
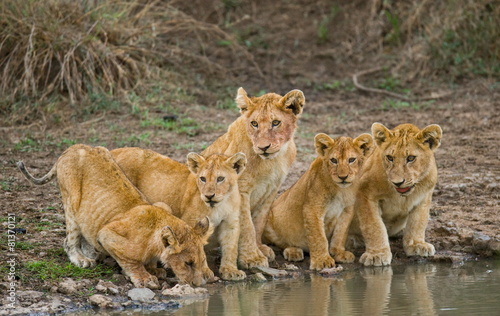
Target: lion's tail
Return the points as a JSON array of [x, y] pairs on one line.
[[38, 181]]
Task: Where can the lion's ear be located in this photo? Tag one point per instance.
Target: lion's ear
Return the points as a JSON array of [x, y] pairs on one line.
[[238, 162], [242, 100], [431, 136], [365, 143], [170, 240], [203, 228], [294, 101], [194, 161], [380, 133], [322, 142]]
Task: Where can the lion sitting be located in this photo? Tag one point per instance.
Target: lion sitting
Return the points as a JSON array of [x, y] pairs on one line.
[[264, 132], [104, 210], [318, 208], [205, 187], [396, 191]]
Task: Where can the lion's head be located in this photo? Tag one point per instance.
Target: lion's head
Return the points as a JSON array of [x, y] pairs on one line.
[[343, 156], [270, 119], [216, 175], [184, 252], [407, 152]]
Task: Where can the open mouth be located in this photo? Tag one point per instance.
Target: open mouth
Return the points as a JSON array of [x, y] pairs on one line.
[[404, 190]]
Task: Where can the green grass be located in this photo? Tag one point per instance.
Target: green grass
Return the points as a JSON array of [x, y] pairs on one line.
[[23, 245], [50, 270], [47, 225], [392, 104]]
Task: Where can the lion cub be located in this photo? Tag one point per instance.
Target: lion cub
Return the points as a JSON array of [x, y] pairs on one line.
[[205, 187], [104, 210], [396, 191], [319, 206]]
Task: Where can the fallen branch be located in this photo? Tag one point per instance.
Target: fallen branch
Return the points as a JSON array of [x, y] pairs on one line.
[[389, 93]]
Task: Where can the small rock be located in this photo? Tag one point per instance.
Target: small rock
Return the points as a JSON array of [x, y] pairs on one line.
[[68, 286], [257, 277], [331, 271], [106, 286], [185, 290], [101, 288], [480, 241], [289, 266], [141, 294], [32, 296], [101, 301], [274, 273]]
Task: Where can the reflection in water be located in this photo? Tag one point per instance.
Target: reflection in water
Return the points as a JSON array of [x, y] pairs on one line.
[[427, 289]]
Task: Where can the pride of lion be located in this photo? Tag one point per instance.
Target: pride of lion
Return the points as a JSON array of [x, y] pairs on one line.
[[141, 207]]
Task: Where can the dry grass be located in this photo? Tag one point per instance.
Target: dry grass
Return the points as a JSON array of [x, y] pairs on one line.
[[79, 48]]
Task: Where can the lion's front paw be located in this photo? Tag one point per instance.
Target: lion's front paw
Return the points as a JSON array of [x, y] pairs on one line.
[[82, 261], [252, 259], [231, 274], [343, 256], [208, 275], [150, 282], [322, 262], [423, 249], [293, 254], [267, 251], [380, 258]]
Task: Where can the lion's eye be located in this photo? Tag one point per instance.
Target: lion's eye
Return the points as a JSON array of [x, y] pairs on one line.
[[220, 179], [410, 158], [389, 158], [276, 123], [189, 263], [351, 160], [334, 161], [203, 179], [254, 123]]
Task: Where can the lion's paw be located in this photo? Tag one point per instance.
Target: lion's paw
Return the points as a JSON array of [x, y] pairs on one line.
[[323, 262], [343, 256], [82, 261], [293, 254], [208, 274], [232, 274], [150, 282], [252, 259], [267, 251], [423, 249], [382, 258]]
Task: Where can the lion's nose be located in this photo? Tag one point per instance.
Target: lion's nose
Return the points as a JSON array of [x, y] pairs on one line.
[[264, 148], [210, 197], [343, 178], [398, 184]]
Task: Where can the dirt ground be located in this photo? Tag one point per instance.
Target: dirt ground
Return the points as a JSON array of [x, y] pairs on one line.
[[464, 213], [464, 218]]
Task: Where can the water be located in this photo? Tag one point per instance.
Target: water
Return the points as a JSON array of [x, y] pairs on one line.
[[424, 289]]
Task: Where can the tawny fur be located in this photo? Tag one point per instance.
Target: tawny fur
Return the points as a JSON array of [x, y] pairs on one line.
[[203, 187], [396, 191], [315, 213], [264, 133], [104, 210]]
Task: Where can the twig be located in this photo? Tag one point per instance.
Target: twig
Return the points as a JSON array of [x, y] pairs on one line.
[[392, 94]]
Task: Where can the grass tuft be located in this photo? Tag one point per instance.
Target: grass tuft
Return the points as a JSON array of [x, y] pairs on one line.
[[50, 270]]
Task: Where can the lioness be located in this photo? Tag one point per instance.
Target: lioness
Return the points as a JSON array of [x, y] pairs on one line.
[[319, 206], [103, 209], [205, 187], [396, 191], [264, 132]]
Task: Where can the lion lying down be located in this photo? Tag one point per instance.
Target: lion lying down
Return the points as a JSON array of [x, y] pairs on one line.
[[103, 208]]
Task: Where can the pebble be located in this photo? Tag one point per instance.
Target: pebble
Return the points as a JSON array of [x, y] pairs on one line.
[[185, 290], [257, 277], [331, 271], [141, 294], [274, 273], [101, 301], [68, 286]]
